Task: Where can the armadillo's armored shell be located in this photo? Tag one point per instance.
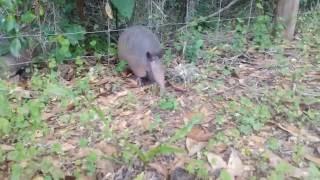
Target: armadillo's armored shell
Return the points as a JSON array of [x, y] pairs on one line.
[[133, 46]]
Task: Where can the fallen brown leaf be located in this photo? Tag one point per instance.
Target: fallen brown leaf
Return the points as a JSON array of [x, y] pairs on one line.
[[146, 122], [108, 10], [83, 152], [38, 134], [85, 177], [38, 177], [19, 92], [5, 147], [298, 132], [194, 146], [190, 115], [160, 169], [216, 162], [47, 115], [125, 113], [275, 160], [181, 174], [177, 88], [199, 134], [132, 83], [180, 160], [71, 106], [103, 81], [235, 166], [313, 159], [105, 166], [111, 99], [67, 147], [256, 141], [318, 149], [107, 149], [219, 148]]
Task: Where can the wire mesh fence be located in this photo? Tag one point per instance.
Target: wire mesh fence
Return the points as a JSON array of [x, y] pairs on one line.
[[164, 17]]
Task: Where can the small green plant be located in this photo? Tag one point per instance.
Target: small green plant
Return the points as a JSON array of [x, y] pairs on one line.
[[309, 26], [314, 172], [280, 172], [121, 66], [190, 43], [90, 163], [287, 103], [220, 119], [132, 150], [298, 154], [168, 57], [273, 144], [155, 124], [49, 170], [140, 176], [100, 46], [168, 103], [239, 40], [262, 32], [56, 148], [181, 133], [249, 115], [83, 143], [224, 175], [197, 167]]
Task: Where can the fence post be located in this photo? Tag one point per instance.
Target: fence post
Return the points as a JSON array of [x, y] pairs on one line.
[[287, 12]]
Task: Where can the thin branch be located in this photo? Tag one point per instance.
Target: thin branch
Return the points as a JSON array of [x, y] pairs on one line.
[[221, 10], [203, 19]]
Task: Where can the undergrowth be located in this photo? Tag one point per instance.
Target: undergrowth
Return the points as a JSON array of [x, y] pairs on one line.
[[22, 112]]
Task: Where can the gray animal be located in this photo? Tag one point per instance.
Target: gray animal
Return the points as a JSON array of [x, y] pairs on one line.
[[10, 65], [142, 50]]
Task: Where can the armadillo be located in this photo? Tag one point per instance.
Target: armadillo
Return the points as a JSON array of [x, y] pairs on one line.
[[142, 50], [11, 65]]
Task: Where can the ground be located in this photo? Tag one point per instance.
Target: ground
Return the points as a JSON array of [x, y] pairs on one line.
[[248, 115]]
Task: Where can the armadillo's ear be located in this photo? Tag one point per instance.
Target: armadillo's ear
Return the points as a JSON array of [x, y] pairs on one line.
[[149, 56]]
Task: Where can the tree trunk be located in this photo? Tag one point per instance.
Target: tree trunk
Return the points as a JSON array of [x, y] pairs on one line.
[[287, 11]]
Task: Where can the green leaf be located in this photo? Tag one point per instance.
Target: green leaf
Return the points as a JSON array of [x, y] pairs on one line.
[[93, 43], [159, 150], [57, 90], [125, 7], [121, 66], [11, 23], [4, 106], [181, 133], [259, 6], [63, 51], [15, 47], [16, 172], [4, 126], [314, 172], [140, 176], [224, 175], [168, 104], [4, 48], [75, 33], [28, 17]]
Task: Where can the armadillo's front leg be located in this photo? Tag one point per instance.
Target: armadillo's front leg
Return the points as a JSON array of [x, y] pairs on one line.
[[139, 81]]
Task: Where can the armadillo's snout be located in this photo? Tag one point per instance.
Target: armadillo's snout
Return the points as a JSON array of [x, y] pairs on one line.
[[158, 72]]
